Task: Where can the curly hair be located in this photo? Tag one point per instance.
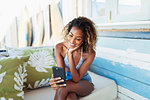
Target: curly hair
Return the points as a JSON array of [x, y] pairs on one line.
[[88, 28]]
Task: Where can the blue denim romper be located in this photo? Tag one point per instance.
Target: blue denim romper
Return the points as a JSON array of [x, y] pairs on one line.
[[68, 74]]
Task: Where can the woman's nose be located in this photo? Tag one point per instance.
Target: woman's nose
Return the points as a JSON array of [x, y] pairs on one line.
[[72, 41]]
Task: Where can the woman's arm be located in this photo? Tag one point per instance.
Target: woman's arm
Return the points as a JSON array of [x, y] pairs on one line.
[[58, 55], [60, 63], [78, 74]]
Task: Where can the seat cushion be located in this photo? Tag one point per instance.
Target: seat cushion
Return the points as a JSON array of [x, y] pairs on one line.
[[105, 89], [44, 93]]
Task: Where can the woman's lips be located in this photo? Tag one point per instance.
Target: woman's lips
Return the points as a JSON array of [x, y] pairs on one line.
[[72, 45]]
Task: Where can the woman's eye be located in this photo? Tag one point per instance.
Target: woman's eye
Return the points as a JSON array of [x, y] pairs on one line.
[[78, 39], [70, 35]]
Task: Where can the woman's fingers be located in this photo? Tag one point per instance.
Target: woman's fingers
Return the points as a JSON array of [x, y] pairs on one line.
[[62, 85], [73, 49], [54, 79], [57, 86], [55, 82]]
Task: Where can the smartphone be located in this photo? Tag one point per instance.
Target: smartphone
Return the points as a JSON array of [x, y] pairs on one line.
[[59, 72]]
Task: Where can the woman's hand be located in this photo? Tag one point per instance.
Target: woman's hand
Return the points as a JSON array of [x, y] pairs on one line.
[[71, 50], [53, 82]]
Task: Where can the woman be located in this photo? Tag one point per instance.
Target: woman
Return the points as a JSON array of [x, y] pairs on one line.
[[75, 55]]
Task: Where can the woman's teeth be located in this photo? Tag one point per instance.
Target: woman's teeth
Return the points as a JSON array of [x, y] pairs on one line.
[[72, 44]]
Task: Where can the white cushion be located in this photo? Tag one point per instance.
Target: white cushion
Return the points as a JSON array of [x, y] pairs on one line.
[[45, 93], [105, 89]]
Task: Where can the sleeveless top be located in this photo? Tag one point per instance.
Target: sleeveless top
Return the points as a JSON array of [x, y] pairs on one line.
[[68, 74]]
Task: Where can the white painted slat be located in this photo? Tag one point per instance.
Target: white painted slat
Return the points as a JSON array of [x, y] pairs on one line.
[[128, 56], [123, 97], [125, 25], [126, 94]]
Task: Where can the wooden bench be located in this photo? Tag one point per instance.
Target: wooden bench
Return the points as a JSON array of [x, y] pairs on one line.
[[105, 89]]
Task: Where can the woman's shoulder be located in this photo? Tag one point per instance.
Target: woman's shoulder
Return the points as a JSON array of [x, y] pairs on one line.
[[61, 46], [87, 55]]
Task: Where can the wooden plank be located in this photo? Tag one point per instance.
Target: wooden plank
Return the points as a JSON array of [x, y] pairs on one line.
[[137, 25], [127, 57], [130, 84], [131, 35], [126, 61], [124, 30], [126, 94], [138, 45], [123, 97], [129, 71]]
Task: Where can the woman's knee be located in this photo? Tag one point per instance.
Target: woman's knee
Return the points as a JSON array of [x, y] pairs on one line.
[[61, 91], [71, 96]]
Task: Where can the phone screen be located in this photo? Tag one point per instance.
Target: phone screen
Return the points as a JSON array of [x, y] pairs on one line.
[[59, 72]]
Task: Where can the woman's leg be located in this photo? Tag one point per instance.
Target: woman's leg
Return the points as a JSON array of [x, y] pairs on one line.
[[82, 88], [71, 96]]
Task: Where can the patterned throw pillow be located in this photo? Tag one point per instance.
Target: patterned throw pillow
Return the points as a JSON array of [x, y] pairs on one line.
[[12, 76], [22, 51], [39, 66]]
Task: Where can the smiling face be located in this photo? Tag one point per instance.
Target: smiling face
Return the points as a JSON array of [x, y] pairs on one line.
[[75, 37], [81, 31]]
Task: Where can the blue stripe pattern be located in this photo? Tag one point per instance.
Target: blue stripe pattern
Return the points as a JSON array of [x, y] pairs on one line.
[[126, 82], [131, 35], [141, 46], [128, 76]]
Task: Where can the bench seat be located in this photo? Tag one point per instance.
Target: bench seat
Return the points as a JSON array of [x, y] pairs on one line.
[[105, 89]]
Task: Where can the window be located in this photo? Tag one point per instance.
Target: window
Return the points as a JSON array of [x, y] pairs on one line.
[[131, 10], [99, 10], [106, 11], [129, 6]]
